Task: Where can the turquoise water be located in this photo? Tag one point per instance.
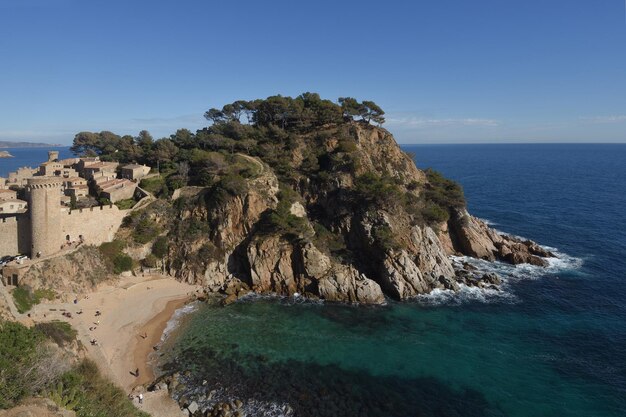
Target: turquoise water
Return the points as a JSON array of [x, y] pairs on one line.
[[553, 343]]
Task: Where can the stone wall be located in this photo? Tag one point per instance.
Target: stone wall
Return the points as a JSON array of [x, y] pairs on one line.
[[14, 235], [96, 224]]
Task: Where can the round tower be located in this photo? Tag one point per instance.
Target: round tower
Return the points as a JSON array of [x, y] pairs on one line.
[[45, 215], [53, 156]]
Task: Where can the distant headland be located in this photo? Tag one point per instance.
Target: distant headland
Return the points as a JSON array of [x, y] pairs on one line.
[[9, 144]]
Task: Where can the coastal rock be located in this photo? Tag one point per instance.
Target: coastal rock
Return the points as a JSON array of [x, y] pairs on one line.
[[345, 284], [473, 237], [324, 244], [271, 268]]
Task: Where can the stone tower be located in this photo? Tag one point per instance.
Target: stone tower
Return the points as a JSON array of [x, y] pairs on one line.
[[45, 215], [53, 156]]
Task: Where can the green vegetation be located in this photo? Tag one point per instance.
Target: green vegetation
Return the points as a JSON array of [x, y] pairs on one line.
[[328, 241], [442, 191], [145, 230], [153, 185], [251, 127], [85, 391], [318, 150], [122, 263], [374, 189], [30, 365], [18, 352], [385, 238], [126, 204], [116, 258], [282, 220], [59, 332], [25, 298], [160, 247]]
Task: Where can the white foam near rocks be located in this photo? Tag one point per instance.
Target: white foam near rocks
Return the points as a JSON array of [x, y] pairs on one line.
[[507, 272], [466, 295]]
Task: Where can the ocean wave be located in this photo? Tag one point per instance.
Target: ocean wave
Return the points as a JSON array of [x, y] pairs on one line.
[[507, 272], [178, 315], [466, 295]]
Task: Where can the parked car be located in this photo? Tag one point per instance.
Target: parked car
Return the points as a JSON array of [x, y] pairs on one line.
[[5, 260], [21, 257]]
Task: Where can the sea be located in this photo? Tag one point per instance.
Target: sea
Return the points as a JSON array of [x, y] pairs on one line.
[[28, 157], [551, 343]]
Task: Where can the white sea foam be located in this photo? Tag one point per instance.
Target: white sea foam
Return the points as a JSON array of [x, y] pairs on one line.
[[488, 222], [507, 272], [465, 295], [174, 321]]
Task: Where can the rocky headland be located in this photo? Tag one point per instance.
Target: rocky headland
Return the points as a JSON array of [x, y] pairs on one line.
[[356, 235], [304, 200], [5, 154]]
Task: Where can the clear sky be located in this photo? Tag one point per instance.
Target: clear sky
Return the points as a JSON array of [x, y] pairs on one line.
[[445, 71]]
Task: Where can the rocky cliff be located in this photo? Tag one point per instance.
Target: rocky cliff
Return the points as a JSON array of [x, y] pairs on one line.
[[341, 214]]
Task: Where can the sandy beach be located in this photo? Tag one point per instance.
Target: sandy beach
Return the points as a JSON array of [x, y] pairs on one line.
[[133, 315]]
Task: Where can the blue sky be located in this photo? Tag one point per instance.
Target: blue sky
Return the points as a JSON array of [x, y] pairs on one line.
[[445, 71]]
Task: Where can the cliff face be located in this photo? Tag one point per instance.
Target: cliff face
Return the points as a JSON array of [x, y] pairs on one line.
[[353, 220]]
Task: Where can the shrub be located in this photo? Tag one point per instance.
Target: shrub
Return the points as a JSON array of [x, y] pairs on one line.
[[18, 351], [93, 395], [59, 332], [385, 238], [150, 261], [328, 241], [282, 220], [442, 191], [347, 146], [111, 249], [160, 247], [374, 189], [234, 184], [25, 298], [145, 230], [153, 185], [125, 204], [434, 213], [122, 263]]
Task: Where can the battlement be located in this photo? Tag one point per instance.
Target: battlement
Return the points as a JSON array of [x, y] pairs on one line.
[[9, 220], [110, 207], [44, 182]]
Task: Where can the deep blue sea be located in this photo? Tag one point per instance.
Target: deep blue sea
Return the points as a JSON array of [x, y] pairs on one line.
[[30, 157], [553, 343]]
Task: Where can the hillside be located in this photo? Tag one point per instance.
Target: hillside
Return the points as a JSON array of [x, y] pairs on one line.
[[307, 197], [13, 144]]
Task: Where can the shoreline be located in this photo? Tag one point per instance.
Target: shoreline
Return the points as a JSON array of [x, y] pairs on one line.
[[129, 307], [154, 328]]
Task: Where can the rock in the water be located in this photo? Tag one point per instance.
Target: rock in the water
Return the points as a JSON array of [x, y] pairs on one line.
[[491, 278]]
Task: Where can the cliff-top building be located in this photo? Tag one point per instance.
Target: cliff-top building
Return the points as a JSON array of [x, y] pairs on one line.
[[40, 225]]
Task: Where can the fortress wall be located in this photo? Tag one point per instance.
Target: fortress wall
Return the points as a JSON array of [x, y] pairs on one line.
[[8, 236], [96, 224], [14, 235]]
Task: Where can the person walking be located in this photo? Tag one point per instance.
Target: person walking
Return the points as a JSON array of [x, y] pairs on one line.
[[140, 398]]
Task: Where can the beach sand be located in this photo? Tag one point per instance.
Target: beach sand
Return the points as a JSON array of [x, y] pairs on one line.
[[130, 309]]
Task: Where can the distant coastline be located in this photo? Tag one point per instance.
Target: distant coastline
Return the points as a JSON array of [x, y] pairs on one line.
[[5, 154], [8, 144]]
